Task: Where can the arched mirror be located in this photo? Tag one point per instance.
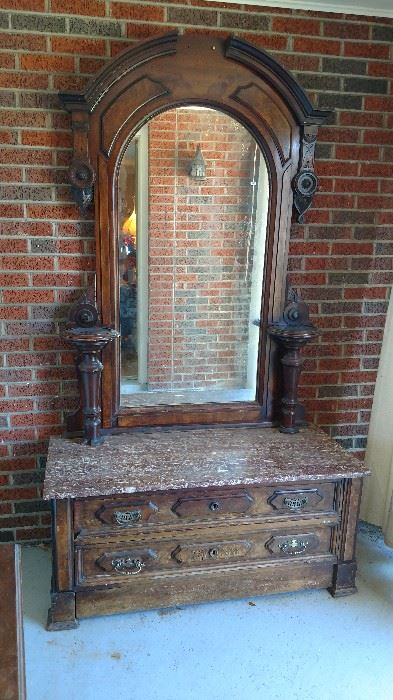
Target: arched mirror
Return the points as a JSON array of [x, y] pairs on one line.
[[193, 195], [198, 149]]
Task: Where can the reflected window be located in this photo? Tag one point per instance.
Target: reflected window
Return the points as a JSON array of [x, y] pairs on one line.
[[193, 196]]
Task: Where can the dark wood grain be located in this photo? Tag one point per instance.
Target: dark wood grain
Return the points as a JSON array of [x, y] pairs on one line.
[[95, 562], [348, 495], [97, 514], [255, 90], [12, 659], [134, 522], [61, 614], [293, 521], [265, 531], [205, 585]]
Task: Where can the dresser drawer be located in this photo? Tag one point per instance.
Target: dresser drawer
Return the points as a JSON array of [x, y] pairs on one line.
[[124, 561], [131, 512], [119, 513]]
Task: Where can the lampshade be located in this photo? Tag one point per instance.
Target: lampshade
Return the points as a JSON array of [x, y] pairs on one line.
[[129, 225]]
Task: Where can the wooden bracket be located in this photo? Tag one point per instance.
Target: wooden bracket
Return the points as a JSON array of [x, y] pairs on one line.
[[81, 173], [305, 182]]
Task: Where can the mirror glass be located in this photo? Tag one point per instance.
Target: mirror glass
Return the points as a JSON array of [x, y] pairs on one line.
[[192, 194]]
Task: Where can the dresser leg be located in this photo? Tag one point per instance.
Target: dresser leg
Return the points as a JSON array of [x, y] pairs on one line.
[[343, 579], [61, 614]]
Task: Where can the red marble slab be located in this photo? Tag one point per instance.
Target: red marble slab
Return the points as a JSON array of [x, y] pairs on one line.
[[172, 459]]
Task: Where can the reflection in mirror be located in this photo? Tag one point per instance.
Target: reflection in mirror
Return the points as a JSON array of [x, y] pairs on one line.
[[192, 197]]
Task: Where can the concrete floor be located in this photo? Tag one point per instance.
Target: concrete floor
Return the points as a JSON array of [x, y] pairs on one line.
[[281, 647]]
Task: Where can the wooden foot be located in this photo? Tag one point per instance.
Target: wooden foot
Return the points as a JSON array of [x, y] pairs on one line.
[[343, 579], [61, 614]]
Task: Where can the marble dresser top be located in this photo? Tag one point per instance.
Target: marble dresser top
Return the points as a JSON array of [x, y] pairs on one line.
[[161, 460]]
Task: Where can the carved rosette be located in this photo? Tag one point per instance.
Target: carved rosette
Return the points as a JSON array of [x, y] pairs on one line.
[[292, 332], [82, 178], [305, 182]]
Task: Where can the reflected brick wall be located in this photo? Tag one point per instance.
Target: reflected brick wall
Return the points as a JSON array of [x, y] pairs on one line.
[[201, 237], [341, 259]]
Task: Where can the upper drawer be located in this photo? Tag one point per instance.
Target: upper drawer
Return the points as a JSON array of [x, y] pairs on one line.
[[204, 505]]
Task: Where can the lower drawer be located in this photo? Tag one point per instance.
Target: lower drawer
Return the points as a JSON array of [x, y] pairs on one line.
[[186, 586], [124, 562]]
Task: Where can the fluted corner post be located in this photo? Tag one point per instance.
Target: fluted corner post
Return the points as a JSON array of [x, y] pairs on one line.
[[89, 339], [291, 333]]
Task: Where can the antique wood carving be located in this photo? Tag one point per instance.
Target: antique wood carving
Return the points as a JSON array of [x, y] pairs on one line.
[[173, 507], [249, 85], [305, 182], [292, 332], [88, 337], [250, 511]]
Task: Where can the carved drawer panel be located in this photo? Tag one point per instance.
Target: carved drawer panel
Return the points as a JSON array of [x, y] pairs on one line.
[[292, 499], [124, 561], [211, 552], [294, 544], [212, 505], [298, 500], [130, 512], [126, 514], [119, 513]]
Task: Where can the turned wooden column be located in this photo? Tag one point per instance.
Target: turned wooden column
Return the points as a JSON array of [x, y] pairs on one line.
[[89, 339], [292, 332]]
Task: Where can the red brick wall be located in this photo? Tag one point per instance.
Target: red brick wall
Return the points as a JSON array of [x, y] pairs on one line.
[[199, 234], [341, 259]]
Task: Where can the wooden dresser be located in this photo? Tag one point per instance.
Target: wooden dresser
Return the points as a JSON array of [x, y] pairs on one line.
[[196, 153], [199, 515]]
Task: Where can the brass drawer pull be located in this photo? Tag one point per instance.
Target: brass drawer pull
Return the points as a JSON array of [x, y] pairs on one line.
[[127, 518], [293, 546], [214, 506], [295, 502], [213, 553], [128, 566]]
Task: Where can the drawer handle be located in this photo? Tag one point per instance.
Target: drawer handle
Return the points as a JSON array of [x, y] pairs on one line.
[[214, 506], [128, 566], [126, 518], [293, 546], [295, 502], [213, 553]]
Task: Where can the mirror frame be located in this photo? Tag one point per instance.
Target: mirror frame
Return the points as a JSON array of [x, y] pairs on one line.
[[247, 84]]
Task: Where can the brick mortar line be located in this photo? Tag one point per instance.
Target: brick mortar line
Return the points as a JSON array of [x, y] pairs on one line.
[[360, 343], [70, 202], [9, 146], [242, 30], [217, 7], [123, 22]]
